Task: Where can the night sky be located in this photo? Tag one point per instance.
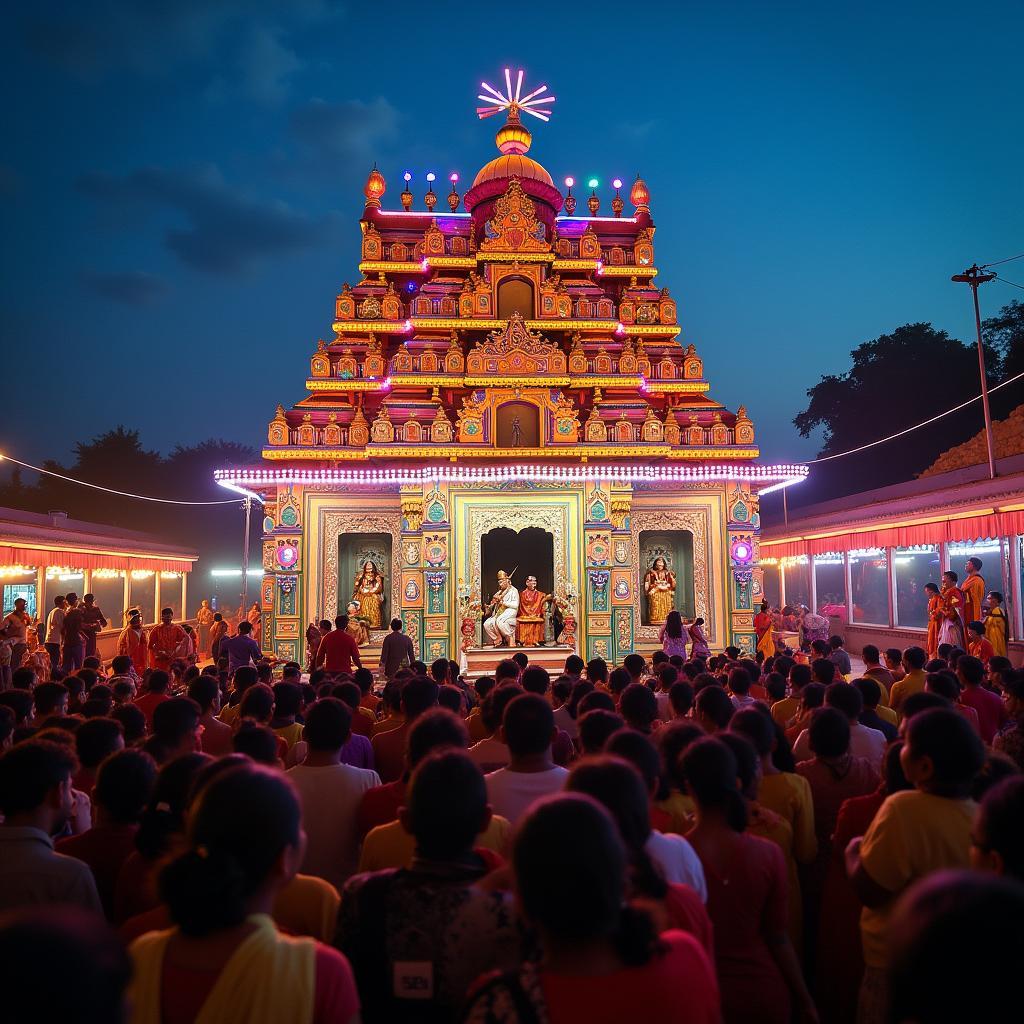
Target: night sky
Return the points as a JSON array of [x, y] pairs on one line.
[[180, 189]]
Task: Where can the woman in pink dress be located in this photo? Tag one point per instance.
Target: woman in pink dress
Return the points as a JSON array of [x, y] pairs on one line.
[[674, 635], [700, 647]]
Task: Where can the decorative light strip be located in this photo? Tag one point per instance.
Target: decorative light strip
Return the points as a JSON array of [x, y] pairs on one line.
[[425, 214], [627, 270], [777, 476], [392, 267]]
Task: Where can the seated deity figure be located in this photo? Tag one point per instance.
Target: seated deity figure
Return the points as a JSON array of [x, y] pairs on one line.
[[530, 627], [500, 626], [660, 588], [368, 594]]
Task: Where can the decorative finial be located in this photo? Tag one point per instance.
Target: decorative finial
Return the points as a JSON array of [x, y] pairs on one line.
[[514, 102], [639, 195], [431, 197], [618, 203], [453, 196], [374, 188], [593, 203], [406, 194], [570, 199]]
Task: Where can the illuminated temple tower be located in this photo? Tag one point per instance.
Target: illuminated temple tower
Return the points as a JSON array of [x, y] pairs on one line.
[[505, 389]]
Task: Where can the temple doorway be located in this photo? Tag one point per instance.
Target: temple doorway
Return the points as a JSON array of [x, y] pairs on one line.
[[518, 426], [531, 552]]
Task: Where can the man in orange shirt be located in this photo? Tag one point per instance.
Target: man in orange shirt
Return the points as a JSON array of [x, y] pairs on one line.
[[978, 645]]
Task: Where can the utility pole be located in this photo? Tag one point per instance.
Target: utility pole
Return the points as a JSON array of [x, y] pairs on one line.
[[975, 276], [247, 506]]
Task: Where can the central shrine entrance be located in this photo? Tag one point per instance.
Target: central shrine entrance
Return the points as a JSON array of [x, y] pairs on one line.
[[531, 549]]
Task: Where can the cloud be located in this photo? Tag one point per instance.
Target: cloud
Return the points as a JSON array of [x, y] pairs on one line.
[[131, 287], [348, 130], [263, 67], [224, 232]]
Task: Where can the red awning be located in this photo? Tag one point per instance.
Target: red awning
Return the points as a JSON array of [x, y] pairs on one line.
[[41, 557], [998, 524]]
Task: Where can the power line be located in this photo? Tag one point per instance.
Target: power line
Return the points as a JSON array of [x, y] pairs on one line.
[[1010, 283], [111, 490], [1009, 259], [917, 426]]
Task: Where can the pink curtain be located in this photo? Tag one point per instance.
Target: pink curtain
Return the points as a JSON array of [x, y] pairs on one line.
[[10, 555]]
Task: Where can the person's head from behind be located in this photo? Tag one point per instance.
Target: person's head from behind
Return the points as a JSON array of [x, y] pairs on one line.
[[739, 682], [944, 683], [869, 690], [756, 728], [257, 703], [713, 708], [639, 707], [287, 701], [436, 729], [829, 733], [594, 700], [159, 681], [258, 742], [823, 671], [245, 627], [680, 698], [635, 665], [799, 677], [571, 899], [124, 785], [245, 843], [535, 679], [913, 658], [748, 764], [528, 726], [493, 709], [205, 691], [846, 698], [522, 659], [596, 727], [418, 695], [674, 625], [941, 753], [711, 774], [50, 699], [506, 671], [97, 739], [439, 670], [446, 805], [870, 655], [671, 741], [618, 787], [95, 967], [979, 916], [969, 670], [574, 665], [997, 840], [176, 726], [133, 722], [641, 753], [35, 784], [328, 725], [597, 670], [396, 625]]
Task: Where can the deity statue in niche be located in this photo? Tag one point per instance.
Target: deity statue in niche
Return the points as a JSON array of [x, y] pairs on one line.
[[369, 594], [660, 588]]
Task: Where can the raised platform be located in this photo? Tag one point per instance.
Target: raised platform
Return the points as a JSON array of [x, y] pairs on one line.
[[481, 661]]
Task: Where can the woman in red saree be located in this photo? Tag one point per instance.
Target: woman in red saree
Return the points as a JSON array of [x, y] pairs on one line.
[[763, 626]]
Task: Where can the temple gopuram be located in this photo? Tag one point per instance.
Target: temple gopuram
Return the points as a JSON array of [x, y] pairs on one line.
[[505, 389]]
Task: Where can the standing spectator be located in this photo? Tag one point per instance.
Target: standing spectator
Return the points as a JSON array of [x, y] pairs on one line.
[[241, 650], [396, 651], [36, 801], [133, 642], [167, 641], [218, 630], [54, 628], [93, 620], [72, 636], [216, 735], [16, 624], [330, 793], [391, 920], [528, 728], [204, 620], [1010, 738], [915, 833], [338, 650], [224, 959]]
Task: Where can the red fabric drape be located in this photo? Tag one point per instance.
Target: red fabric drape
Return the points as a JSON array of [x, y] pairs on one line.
[[999, 524], [10, 555]]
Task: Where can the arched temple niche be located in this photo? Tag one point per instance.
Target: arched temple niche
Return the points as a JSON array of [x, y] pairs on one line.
[[517, 425], [515, 295], [676, 548]]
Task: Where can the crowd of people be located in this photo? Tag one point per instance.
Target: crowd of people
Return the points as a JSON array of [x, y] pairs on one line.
[[690, 838]]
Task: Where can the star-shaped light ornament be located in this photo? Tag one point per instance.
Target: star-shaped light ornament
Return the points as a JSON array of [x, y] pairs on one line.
[[536, 103]]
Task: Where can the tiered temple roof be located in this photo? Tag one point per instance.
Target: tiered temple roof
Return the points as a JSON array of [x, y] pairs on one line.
[[513, 300]]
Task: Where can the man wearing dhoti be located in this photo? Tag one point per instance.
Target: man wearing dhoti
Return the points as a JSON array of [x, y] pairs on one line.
[[531, 614], [501, 626]]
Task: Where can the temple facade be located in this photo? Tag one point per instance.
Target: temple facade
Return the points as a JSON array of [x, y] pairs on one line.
[[505, 388]]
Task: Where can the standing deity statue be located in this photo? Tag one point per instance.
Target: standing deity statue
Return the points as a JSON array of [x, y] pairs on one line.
[[517, 432], [500, 626], [368, 595], [530, 628], [660, 588]]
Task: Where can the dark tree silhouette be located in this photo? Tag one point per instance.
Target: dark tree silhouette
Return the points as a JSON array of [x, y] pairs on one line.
[[1004, 332], [896, 380]]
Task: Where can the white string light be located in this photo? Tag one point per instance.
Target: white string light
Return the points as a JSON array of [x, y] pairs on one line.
[[917, 426], [111, 490]]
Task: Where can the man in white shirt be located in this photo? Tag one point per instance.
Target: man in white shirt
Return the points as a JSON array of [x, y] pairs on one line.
[[54, 628], [36, 801], [528, 729], [864, 741], [330, 793], [500, 626]]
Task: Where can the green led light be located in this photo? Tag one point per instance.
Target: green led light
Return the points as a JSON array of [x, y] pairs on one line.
[[592, 183]]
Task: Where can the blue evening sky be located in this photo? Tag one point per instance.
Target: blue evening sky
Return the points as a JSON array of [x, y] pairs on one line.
[[180, 183]]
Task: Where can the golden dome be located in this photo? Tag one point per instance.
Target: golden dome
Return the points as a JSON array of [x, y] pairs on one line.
[[513, 165]]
